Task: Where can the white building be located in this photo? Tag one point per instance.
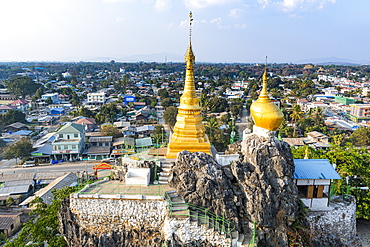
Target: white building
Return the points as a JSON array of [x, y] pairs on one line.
[[54, 97], [96, 98]]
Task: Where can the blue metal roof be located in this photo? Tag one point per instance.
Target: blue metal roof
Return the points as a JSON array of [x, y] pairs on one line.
[[314, 169]]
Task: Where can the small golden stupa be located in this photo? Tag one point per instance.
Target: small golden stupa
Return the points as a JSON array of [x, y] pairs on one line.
[[265, 113], [189, 132]]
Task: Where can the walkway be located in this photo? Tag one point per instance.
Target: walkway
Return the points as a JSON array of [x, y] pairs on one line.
[[363, 231]]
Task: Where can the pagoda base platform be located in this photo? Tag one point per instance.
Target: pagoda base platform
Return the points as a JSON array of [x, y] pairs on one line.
[[175, 147]]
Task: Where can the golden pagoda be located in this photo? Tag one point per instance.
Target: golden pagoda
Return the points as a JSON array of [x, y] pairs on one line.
[[189, 132], [265, 113]]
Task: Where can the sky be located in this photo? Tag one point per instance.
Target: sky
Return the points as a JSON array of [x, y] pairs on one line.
[[224, 31]]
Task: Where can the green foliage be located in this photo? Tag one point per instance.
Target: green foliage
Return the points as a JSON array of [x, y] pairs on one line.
[[360, 137], [43, 226], [350, 161], [111, 130], [22, 86], [167, 102], [107, 113], [220, 138], [12, 116], [49, 101], [21, 149], [170, 115], [159, 134]]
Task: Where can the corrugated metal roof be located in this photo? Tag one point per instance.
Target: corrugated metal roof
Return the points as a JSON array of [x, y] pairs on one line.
[[314, 169], [7, 219], [60, 182], [15, 177], [23, 189]]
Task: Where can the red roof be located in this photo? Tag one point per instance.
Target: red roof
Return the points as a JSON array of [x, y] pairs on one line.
[[20, 102], [85, 121], [7, 107]]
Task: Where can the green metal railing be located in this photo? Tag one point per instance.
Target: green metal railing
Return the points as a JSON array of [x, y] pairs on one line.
[[253, 243], [218, 223]]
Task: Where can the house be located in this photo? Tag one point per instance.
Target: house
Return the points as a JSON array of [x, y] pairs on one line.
[[10, 222], [317, 139], [313, 179], [99, 147], [96, 98], [5, 108], [14, 127], [359, 112], [89, 123], [21, 104], [57, 111], [69, 143], [54, 97], [123, 145]]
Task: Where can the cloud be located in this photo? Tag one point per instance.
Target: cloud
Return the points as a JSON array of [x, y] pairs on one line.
[[235, 13], [199, 4], [263, 3], [162, 5], [120, 19], [296, 5], [115, 1]]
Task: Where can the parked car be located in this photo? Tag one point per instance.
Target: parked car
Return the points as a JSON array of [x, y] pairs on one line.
[[28, 164]]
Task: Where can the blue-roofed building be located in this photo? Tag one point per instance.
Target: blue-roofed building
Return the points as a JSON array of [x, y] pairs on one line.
[[313, 178], [57, 111]]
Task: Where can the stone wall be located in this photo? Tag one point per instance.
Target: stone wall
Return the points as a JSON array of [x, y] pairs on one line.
[[99, 214], [125, 222], [335, 227], [184, 231]]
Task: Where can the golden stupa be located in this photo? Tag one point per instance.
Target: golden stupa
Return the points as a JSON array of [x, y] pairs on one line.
[[189, 132], [265, 113]]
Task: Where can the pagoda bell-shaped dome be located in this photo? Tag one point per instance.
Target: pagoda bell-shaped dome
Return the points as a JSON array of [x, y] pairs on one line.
[[265, 113]]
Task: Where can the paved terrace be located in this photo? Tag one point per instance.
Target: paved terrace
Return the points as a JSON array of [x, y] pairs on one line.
[[115, 187]]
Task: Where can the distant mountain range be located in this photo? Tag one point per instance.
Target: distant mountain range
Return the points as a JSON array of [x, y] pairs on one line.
[[332, 61], [169, 57]]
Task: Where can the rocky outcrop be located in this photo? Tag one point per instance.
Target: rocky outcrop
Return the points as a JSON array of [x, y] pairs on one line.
[[257, 188]]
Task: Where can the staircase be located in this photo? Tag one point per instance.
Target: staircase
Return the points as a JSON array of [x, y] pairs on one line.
[[181, 210], [166, 166]]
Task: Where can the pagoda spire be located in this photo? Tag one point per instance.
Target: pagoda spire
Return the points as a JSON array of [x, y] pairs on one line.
[[189, 98], [189, 132]]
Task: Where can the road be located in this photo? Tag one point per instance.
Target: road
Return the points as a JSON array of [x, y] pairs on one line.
[[64, 167], [243, 123]]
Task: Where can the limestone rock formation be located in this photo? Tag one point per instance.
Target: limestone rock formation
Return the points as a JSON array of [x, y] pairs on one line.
[[259, 187]]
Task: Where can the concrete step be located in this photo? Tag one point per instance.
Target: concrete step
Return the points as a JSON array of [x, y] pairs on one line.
[[240, 238], [182, 207], [163, 178], [180, 214], [193, 216], [166, 166], [164, 174], [163, 182], [177, 199]]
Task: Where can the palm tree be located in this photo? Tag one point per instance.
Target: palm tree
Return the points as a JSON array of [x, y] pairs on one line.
[[316, 116], [295, 115]]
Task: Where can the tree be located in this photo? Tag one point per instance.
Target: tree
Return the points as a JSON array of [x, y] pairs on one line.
[[170, 115], [159, 134], [360, 137], [44, 223], [49, 101], [295, 115], [111, 130], [12, 116], [352, 162], [21, 149], [166, 102], [22, 86]]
